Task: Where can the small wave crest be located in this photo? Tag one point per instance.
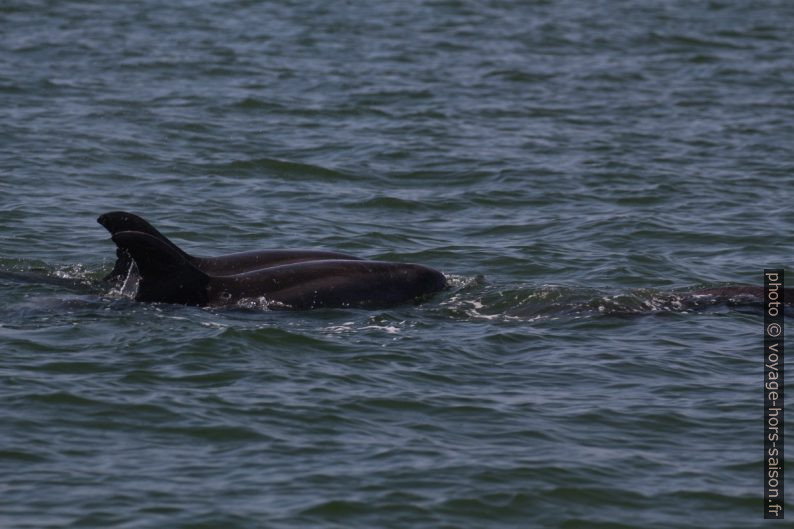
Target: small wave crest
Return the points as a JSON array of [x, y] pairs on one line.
[[73, 276], [473, 299]]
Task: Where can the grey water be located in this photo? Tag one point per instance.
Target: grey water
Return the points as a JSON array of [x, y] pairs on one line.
[[572, 168]]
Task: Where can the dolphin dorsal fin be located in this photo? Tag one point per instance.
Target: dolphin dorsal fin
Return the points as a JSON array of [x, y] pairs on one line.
[[166, 275], [118, 221]]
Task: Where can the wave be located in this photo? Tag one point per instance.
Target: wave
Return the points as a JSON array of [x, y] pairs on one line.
[[474, 299], [467, 298]]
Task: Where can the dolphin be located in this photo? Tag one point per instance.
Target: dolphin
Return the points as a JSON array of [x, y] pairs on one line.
[[168, 275], [235, 263]]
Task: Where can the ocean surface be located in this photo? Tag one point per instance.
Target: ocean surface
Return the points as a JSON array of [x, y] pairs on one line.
[[572, 168]]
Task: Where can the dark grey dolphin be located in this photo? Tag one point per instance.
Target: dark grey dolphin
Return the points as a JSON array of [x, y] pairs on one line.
[[168, 276], [236, 263]]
